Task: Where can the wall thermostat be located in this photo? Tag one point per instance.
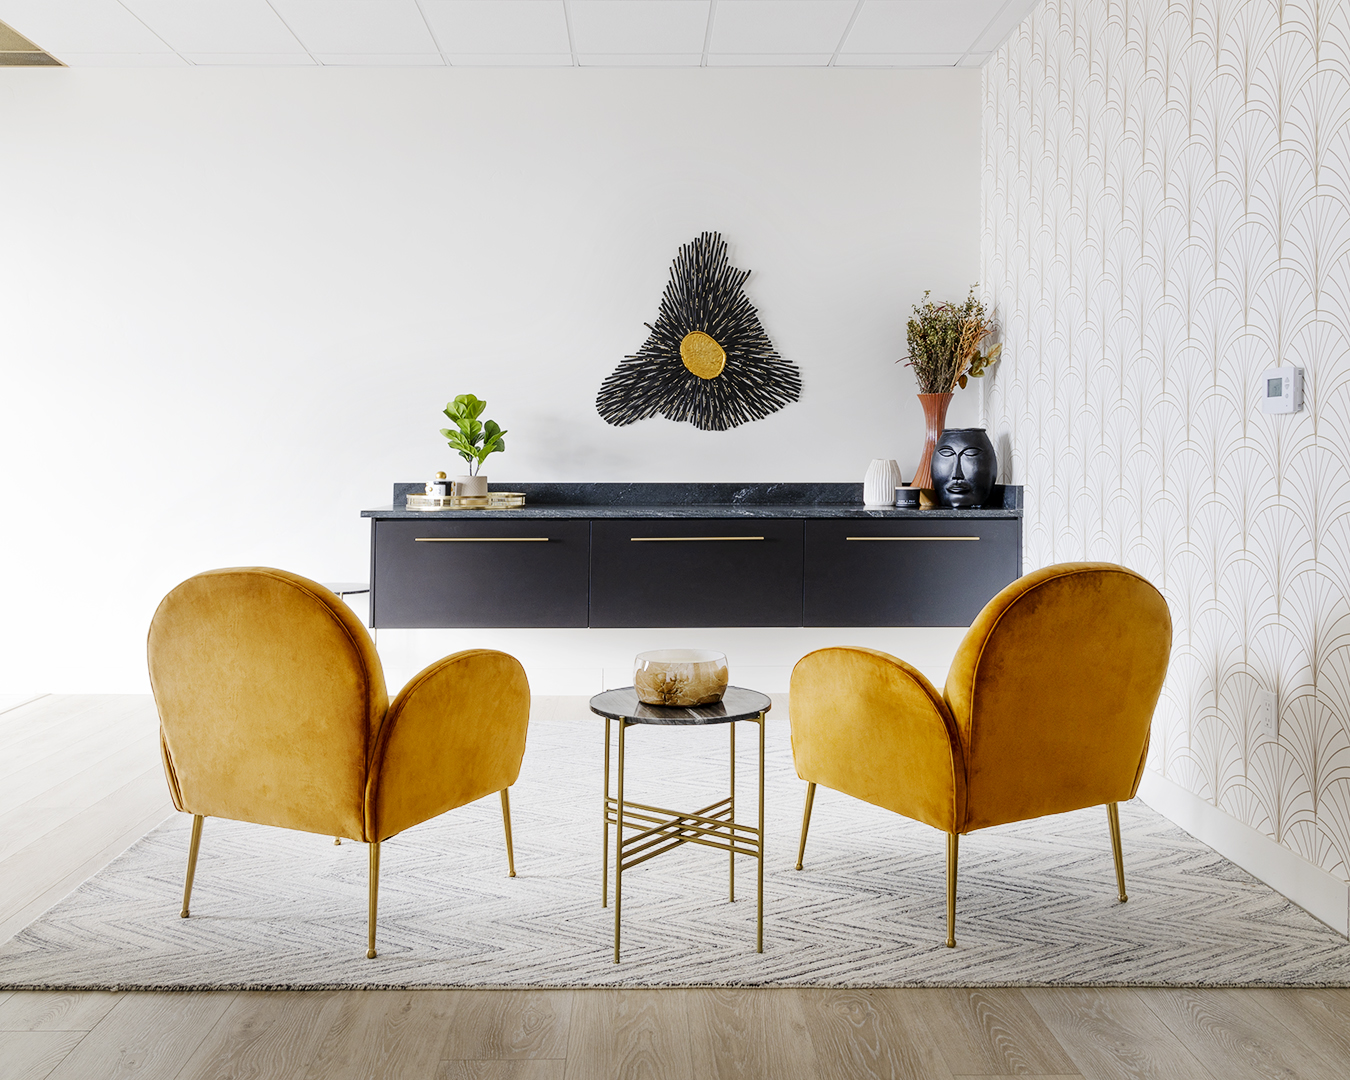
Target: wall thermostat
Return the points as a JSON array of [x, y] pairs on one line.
[[1282, 390]]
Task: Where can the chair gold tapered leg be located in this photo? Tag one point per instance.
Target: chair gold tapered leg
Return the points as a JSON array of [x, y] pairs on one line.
[[192, 862], [806, 821], [952, 841], [374, 898], [506, 821], [337, 841], [1113, 816]]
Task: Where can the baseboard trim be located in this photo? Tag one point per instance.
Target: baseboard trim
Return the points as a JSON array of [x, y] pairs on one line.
[[1319, 893]]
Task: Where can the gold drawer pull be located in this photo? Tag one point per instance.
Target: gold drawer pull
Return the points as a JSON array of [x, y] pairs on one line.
[[911, 538], [481, 539], [656, 539]]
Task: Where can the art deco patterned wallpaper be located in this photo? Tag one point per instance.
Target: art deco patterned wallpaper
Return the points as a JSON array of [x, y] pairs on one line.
[[1166, 213]]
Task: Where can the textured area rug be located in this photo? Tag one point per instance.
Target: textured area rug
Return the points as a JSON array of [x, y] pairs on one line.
[[1036, 901]]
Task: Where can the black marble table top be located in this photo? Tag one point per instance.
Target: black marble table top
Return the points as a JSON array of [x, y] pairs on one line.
[[719, 501], [736, 704]]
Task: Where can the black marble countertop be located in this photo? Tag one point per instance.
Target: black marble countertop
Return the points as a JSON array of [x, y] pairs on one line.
[[736, 704], [630, 501]]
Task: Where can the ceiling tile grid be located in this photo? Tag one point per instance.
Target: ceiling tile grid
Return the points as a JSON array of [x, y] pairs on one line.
[[509, 59], [267, 59], [638, 27], [769, 59], [357, 26], [215, 26], [786, 26], [499, 27], [164, 58], [519, 33], [429, 59], [1165, 216], [82, 26], [920, 26]]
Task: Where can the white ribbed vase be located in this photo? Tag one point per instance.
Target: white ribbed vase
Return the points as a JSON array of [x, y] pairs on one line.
[[883, 477]]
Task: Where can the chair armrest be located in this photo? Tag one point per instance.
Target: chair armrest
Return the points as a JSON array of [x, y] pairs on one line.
[[455, 733], [870, 725]]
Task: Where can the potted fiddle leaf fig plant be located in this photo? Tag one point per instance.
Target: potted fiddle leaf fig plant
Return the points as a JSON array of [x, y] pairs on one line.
[[472, 440]]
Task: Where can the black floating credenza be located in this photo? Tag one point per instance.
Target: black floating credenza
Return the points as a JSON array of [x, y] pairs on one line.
[[907, 572], [696, 572], [618, 555], [480, 573]]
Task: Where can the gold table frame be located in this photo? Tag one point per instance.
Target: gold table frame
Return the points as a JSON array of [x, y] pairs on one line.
[[656, 829]]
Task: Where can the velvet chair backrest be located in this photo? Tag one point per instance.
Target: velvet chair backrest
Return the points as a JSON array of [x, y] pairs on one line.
[[269, 691], [1053, 691]]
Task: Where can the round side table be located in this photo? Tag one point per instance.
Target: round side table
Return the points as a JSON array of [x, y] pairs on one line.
[[656, 830]]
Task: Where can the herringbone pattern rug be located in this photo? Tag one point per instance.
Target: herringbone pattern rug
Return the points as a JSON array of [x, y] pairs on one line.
[[1036, 902]]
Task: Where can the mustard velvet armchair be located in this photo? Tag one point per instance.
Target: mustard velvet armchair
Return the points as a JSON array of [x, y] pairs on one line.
[[273, 710], [1047, 708]]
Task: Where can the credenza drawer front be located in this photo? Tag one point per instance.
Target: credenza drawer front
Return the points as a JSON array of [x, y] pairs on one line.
[[738, 572], [907, 573], [480, 573]]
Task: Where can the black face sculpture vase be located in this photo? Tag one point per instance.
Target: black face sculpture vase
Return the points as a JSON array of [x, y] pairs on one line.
[[964, 468]]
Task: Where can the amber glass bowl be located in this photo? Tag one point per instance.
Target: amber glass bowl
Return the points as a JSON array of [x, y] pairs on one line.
[[680, 677]]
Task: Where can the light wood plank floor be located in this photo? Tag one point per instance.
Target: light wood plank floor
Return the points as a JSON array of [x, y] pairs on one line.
[[80, 781]]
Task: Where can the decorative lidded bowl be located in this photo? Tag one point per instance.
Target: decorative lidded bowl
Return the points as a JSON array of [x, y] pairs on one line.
[[680, 677]]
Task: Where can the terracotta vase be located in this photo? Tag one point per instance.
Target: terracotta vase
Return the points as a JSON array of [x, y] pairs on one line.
[[934, 419]]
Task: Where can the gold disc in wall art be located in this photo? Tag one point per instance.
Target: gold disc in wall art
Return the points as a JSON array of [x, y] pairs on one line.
[[702, 355]]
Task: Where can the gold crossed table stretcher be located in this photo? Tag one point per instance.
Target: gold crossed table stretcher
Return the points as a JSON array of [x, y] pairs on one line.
[[656, 830]]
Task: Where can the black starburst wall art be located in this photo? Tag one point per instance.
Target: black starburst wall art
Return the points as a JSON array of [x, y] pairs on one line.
[[707, 359]]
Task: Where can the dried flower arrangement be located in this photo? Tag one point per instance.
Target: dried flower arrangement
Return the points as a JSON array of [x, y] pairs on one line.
[[944, 343]]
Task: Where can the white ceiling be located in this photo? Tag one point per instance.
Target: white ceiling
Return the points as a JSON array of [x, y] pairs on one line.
[[516, 33]]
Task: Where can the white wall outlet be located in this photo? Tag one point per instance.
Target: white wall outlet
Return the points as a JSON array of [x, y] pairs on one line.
[[1267, 715]]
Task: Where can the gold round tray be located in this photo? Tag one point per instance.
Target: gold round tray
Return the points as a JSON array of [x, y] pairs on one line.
[[493, 500]]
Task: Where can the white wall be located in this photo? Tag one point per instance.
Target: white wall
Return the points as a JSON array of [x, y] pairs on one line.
[[233, 302], [1165, 216]]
